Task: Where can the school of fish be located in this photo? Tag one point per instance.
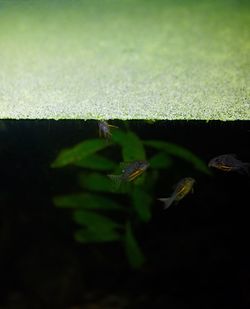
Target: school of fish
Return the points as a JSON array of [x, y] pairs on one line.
[[132, 170]]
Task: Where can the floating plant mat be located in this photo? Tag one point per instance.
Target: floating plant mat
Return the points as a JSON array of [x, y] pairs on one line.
[[126, 59]]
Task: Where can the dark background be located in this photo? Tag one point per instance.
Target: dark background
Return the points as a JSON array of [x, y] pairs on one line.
[[197, 252]]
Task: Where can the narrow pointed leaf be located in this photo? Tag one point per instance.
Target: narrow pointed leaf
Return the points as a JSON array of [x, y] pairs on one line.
[[132, 249], [95, 182], [96, 162], [86, 201], [160, 160], [78, 152], [90, 236], [132, 147], [180, 152], [94, 221], [142, 203], [119, 136]]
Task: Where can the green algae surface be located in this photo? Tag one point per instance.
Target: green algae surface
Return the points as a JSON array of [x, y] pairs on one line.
[[125, 59]]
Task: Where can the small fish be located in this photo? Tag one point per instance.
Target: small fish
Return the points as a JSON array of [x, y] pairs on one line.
[[229, 163], [130, 171], [183, 187], [104, 129]]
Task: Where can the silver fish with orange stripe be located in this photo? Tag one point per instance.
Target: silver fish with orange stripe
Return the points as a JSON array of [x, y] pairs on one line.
[[183, 187], [131, 171]]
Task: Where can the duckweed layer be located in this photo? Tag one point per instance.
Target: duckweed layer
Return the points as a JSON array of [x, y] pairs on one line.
[[126, 59]]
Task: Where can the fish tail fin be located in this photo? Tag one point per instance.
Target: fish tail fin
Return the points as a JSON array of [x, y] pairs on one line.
[[167, 201], [117, 179]]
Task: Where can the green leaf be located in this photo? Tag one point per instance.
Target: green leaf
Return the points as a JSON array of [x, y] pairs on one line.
[[96, 162], [98, 228], [132, 147], [86, 201], [79, 152], [142, 203], [94, 221], [179, 152], [160, 160], [90, 236], [119, 136], [132, 249], [95, 182]]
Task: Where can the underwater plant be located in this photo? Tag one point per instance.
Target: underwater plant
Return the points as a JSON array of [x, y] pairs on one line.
[[97, 209]]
